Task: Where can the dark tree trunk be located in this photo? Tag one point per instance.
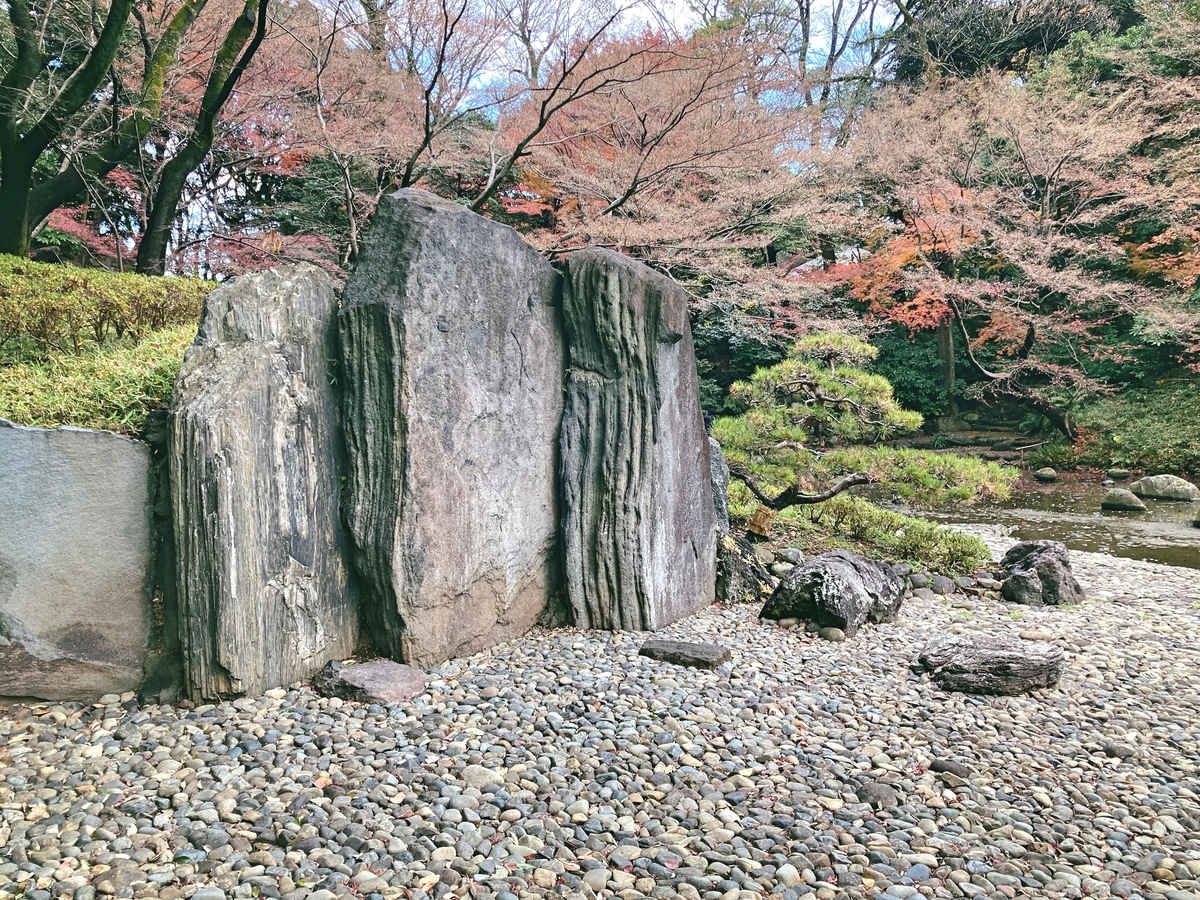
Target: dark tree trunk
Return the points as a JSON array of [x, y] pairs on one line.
[[16, 180], [945, 347]]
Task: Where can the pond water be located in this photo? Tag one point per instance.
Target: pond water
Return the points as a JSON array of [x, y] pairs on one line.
[[1069, 511]]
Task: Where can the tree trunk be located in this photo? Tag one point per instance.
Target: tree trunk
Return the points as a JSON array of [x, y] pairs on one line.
[[152, 251], [945, 347], [16, 180]]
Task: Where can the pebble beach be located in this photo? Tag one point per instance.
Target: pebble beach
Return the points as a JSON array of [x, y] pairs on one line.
[[565, 765]]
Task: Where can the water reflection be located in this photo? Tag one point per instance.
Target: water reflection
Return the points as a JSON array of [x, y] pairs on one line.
[[1069, 511]]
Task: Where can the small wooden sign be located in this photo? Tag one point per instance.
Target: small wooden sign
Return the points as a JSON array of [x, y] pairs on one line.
[[761, 521]]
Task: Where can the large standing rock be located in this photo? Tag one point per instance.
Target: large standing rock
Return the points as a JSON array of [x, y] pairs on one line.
[[982, 664], [265, 589], [75, 562], [1165, 487], [1038, 573], [838, 590], [453, 370], [639, 526], [719, 470]]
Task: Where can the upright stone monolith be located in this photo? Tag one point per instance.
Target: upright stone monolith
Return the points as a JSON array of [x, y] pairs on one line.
[[452, 362], [639, 521], [265, 589]]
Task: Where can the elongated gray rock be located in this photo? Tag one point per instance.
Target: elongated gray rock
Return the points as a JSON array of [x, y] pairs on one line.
[[719, 470], [266, 595], [983, 664], [75, 562], [1165, 487], [453, 364], [639, 523], [686, 653]]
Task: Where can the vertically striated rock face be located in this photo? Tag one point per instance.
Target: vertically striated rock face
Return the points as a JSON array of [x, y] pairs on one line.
[[75, 562], [265, 590], [452, 363], [639, 524]]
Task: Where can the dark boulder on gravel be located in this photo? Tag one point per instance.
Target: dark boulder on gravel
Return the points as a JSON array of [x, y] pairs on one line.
[[838, 590], [1038, 573], [983, 664]]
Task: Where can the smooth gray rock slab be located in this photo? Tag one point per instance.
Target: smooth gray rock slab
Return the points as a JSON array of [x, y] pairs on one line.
[[378, 681], [983, 664], [1121, 500], [266, 594], [75, 562], [452, 361], [1038, 573], [838, 590], [1165, 487], [720, 485], [639, 530], [685, 653]]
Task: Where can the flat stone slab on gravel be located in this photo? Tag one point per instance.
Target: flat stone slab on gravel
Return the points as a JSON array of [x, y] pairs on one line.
[[686, 653], [984, 664], [377, 681]]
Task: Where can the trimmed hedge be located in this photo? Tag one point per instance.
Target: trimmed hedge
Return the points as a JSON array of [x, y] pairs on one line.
[[47, 308], [112, 387]]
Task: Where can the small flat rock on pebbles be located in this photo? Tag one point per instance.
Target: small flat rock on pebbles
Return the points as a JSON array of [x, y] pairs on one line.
[[378, 681], [984, 664], [685, 653]]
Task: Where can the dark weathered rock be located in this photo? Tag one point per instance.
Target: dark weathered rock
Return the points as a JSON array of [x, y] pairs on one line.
[[878, 795], [839, 590], [952, 766], [639, 526], [1118, 474], [741, 577], [982, 664], [377, 681], [265, 589], [685, 653], [452, 363], [1038, 573], [940, 584], [720, 485], [1121, 500], [75, 562], [1165, 487]]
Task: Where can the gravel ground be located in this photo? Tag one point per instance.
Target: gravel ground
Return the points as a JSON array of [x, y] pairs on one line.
[[563, 764]]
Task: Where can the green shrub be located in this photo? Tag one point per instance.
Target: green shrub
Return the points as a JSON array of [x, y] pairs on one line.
[[854, 523], [1156, 429], [113, 386], [47, 308]]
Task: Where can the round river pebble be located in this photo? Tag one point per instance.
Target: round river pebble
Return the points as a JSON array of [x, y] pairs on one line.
[[565, 765]]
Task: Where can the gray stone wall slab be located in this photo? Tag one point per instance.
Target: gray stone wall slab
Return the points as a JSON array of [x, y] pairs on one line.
[[75, 562]]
